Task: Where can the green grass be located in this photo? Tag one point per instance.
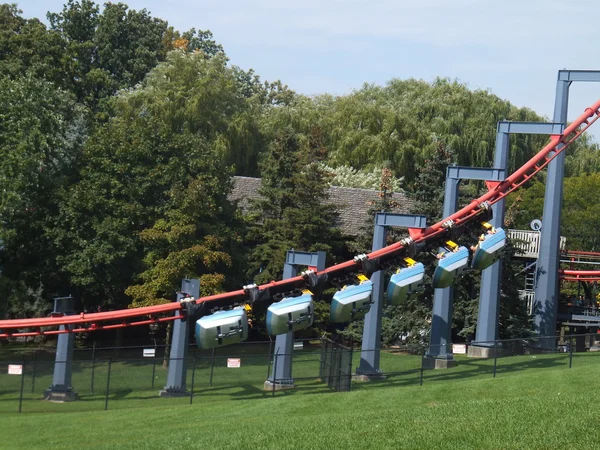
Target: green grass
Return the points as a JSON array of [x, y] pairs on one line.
[[535, 401]]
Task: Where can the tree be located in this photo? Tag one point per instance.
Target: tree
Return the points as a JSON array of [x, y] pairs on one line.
[[151, 201], [38, 151], [428, 189], [115, 48], [292, 211], [197, 238], [580, 210], [28, 47], [202, 96], [397, 125]]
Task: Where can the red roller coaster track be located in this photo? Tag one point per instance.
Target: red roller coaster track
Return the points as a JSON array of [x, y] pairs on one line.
[[497, 191], [580, 275]]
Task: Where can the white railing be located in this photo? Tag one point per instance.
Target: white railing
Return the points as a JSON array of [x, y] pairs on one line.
[[528, 242], [528, 296]]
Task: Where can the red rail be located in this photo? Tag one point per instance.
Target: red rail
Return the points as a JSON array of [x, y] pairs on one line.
[[580, 275], [88, 322]]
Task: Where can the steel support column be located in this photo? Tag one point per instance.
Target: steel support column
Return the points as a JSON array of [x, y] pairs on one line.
[[546, 289], [441, 323], [489, 296], [281, 374], [176, 376], [371, 341], [61, 389]]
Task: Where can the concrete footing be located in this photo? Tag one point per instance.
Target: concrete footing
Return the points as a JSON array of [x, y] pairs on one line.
[[60, 395], [438, 363], [476, 351], [368, 376], [170, 392], [270, 386]]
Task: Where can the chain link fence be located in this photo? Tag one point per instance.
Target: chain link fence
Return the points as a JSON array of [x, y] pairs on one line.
[[134, 376]]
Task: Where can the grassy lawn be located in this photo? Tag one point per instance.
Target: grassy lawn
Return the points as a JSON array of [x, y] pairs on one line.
[[535, 401]]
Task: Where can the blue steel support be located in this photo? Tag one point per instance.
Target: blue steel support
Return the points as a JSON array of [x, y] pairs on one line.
[[546, 289], [489, 293], [61, 389], [284, 343], [176, 376], [441, 323], [371, 341], [489, 297]]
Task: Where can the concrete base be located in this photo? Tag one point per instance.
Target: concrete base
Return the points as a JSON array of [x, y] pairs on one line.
[[476, 351], [270, 386], [438, 363], [368, 376], [59, 395], [170, 392]]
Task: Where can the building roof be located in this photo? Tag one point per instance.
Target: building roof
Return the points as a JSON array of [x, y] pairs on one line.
[[352, 204]]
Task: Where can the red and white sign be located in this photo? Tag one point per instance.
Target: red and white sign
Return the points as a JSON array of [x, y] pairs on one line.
[[235, 363], [15, 369]]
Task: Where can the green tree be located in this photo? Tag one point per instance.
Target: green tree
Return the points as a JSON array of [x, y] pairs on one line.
[[198, 237], [189, 92], [38, 151], [292, 211], [580, 210], [27, 47], [107, 51], [428, 189], [150, 202]]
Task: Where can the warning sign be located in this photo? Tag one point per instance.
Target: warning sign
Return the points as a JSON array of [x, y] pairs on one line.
[[234, 363], [459, 349], [15, 369]]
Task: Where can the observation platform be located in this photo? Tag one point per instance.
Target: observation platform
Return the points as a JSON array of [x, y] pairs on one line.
[[528, 243]]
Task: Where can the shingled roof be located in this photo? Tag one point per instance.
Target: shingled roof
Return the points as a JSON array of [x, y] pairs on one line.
[[352, 204]]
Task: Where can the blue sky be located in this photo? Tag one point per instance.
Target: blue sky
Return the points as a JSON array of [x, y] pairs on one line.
[[511, 47]]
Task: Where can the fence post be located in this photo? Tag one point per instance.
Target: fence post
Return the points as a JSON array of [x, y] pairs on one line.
[[93, 366], [570, 351], [34, 368], [107, 385], [350, 370], [22, 385], [339, 370], [212, 366], [154, 364], [495, 357], [274, 371], [421, 377], [321, 359], [269, 358], [193, 375], [153, 368]]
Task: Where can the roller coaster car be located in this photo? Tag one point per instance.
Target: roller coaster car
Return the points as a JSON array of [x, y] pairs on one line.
[[450, 267], [405, 282], [222, 328], [352, 301], [291, 314], [488, 251]]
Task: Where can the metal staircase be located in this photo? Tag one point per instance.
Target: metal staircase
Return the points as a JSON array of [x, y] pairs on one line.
[[528, 291]]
